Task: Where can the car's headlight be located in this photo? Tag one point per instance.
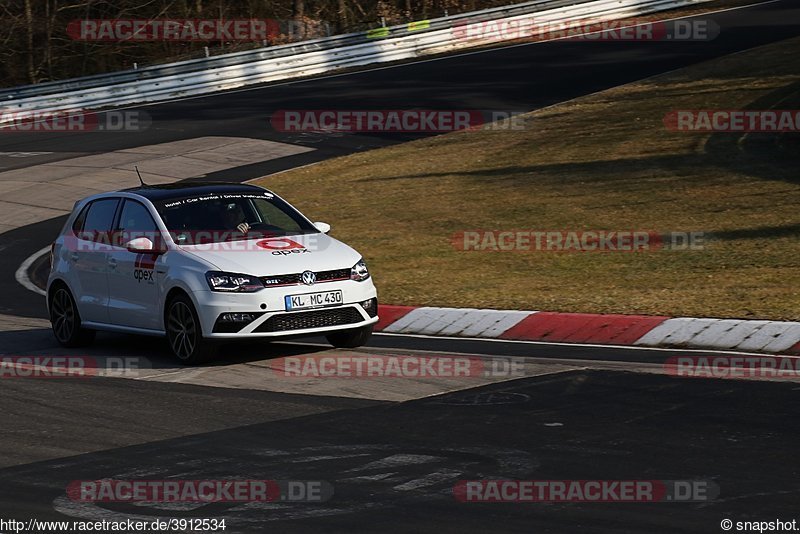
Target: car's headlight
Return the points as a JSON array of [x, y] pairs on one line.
[[359, 272], [233, 282]]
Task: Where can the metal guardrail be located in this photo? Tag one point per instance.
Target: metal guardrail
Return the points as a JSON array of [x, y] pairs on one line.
[[229, 71], [272, 52]]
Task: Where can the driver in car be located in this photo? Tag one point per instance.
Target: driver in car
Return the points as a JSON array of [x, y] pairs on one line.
[[233, 216]]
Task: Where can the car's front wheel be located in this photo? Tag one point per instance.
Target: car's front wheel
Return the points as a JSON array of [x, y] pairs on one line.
[[66, 320], [185, 334], [350, 339]]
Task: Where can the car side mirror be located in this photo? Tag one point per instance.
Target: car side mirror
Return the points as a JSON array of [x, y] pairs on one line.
[[141, 245], [323, 227]]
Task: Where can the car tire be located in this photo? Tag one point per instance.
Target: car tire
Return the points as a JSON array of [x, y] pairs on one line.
[[185, 332], [66, 321], [350, 339]]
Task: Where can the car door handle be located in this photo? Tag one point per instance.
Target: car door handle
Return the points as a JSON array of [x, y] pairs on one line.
[[74, 256], [112, 263]]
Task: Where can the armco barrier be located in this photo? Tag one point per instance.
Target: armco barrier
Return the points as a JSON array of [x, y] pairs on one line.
[[272, 52], [197, 77]]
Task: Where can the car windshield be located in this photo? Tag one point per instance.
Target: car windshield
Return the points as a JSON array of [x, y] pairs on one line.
[[216, 217]]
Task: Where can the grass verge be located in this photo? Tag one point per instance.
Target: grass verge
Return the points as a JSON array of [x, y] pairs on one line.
[[605, 161]]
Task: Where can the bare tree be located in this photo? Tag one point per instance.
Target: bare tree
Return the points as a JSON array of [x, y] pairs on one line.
[[35, 45], [298, 9], [342, 15], [31, 72]]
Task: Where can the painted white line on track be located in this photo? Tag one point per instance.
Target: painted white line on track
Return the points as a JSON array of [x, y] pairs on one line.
[[22, 273]]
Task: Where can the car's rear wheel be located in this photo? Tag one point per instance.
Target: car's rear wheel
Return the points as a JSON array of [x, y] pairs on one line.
[[66, 320], [185, 334], [350, 339]]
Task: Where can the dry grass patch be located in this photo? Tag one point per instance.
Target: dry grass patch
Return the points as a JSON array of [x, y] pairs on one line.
[[601, 162]]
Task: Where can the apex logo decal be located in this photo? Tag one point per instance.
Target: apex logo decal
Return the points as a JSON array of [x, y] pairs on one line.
[[280, 246], [143, 267]]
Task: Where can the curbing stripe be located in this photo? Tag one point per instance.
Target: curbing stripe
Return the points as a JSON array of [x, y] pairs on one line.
[[583, 328], [457, 321], [740, 333], [389, 314], [547, 326], [418, 318], [674, 331], [786, 340], [637, 330], [711, 336], [484, 323], [434, 320], [765, 335]]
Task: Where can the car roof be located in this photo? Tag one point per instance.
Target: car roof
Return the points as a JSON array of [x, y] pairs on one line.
[[181, 190]]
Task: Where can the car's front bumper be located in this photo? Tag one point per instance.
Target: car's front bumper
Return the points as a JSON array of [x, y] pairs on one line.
[[271, 319]]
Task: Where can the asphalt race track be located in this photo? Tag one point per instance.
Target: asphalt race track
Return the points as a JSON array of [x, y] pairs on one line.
[[393, 465], [392, 452]]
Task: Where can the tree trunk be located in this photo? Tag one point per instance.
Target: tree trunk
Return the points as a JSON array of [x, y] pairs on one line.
[[298, 9], [342, 16], [31, 72], [298, 14]]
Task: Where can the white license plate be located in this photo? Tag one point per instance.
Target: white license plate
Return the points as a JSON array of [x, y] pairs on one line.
[[313, 300]]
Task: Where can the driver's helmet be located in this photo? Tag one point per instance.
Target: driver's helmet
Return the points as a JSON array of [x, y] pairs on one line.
[[232, 209]]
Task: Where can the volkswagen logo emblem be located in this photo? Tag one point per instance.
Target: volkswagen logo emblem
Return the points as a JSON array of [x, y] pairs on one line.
[[308, 278]]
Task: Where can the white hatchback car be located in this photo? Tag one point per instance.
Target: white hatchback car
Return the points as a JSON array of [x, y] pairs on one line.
[[202, 262]]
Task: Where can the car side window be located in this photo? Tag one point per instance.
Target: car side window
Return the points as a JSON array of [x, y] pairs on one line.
[[77, 226], [99, 219], [135, 221]]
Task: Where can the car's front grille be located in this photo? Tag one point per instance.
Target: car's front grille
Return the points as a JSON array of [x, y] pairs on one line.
[[296, 278], [331, 276], [281, 280], [310, 319]]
